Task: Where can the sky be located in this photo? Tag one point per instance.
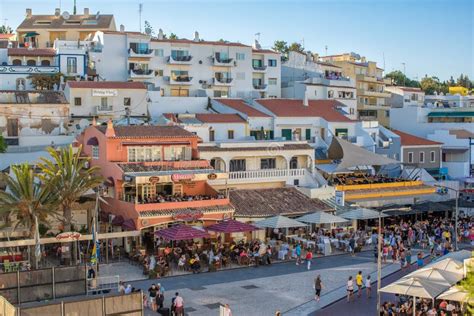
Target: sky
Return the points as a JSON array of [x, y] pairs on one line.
[[432, 37]]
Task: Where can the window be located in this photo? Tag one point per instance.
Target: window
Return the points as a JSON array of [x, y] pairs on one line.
[[387, 113], [45, 63], [272, 62], [330, 94], [308, 134], [351, 111], [103, 102], [294, 163], [95, 152], [272, 81], [433, 156], [159, 52], [16, 62], [267, 163], [212, 135], [286, 132], [20, 84], [31, 62], [144, 154], [180, 92], [342, 132], [240, 56], [77, 101], [221, 93], [230, 134], [12, 127], [159, 72], [127, 101], [410, 157], [71, 65], [422, 157], [315, 93], [237, 165], [179, 55], [179, 75]]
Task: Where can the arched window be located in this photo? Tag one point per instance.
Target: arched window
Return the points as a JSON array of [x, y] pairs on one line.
[[45, 63], [20, 84], [16, 62], [31, 62]]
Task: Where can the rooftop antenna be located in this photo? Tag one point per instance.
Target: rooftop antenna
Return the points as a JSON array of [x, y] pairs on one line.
[[74, 9], [326, 49], [140, 9], [257, 35]]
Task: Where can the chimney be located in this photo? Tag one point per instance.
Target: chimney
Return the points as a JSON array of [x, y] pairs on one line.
[[57, 12], [160, 34], [110, 132], [29, 13], [256, 45], [94, 121], [196, 36], [86, 12], [363, 59], [122, 28]]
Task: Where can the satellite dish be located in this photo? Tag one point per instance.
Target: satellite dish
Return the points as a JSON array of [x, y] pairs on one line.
[[147, 31], [66, 15]]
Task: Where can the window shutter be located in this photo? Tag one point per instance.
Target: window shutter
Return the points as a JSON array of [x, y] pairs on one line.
[[167, 153], [188, 153]]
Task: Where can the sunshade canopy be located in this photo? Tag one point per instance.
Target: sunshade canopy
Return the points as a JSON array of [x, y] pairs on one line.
[[321, 218], [231, 226], [279, 222], [352, 155], [181, 232], [362, 213], [449, 265], [455, 294], [118, 220], [129, 224], [31, 34], [436, 275], [415, 287]]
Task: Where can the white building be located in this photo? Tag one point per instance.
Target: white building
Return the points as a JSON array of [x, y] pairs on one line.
[[449, 100], [405, 96], [303, 76]]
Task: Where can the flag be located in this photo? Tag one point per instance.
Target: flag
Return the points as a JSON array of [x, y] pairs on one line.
[[95, 249]]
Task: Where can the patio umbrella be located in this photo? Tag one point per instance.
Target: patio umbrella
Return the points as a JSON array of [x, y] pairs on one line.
[[321, 218], [436, 275], [31, 34], [181, 232], [279, 222], [455, 294], [231, 226], [416, 287], [362, 213]]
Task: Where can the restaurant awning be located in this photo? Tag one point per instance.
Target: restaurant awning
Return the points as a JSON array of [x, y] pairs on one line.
[[279, 222], [129, 224], [352, 155], [455, 294], [321, 218], [181, 232], [30, 34], [415, 287], [362, 214], [118, 220], [231, 226]]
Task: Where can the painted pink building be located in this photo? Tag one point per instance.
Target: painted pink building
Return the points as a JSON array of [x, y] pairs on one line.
[[154, 176]]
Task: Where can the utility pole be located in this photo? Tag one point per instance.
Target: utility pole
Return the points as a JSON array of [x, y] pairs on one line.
[[140, 9]]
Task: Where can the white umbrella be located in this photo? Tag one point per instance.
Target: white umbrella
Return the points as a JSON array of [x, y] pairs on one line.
[[436, 275], [455, 294], [362, 213], [449, 265], [417, 287], [279, 222], [321, 218]]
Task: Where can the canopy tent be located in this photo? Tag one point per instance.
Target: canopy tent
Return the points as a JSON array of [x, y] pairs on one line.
[[362, 213], [352, 155], [181, 232], [417, 287], [231, 226], [321, 218], [455, 294], [436, 275], [279, 221]]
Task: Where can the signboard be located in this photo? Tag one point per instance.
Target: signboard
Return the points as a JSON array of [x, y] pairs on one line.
[[188, 217], [68, 235], [104, 92], [340, 198], [212, 176], [179, 177], [154, 179]]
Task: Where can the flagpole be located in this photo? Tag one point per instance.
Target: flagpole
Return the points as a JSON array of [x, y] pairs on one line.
[[95, 233], [37, 244]]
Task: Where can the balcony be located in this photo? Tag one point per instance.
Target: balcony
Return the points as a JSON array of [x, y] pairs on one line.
[[373, 79], [179, 80], [141, 53], [99, 109], [29, 69], [225, 62], [260, 87], [179, 60], [140, 73], [259, 68], [262, 175], [222, 81], [373, 93]]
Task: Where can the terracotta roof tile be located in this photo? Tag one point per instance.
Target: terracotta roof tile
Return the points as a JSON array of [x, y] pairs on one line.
[[461, 133], [327, 109], [6, 36], [144, 131], [271, 202], [102, 21], [31, 52], [241, 106], [106, 85], [412, 140]]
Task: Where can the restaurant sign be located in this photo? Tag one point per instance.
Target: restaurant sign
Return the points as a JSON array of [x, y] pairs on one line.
[[181, 177], [68, 236], [188, 217], [212, 176], [104, 92], [154, 179]]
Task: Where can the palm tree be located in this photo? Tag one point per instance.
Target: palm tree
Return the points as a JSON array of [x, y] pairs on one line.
[[28, 200], [70, 178]]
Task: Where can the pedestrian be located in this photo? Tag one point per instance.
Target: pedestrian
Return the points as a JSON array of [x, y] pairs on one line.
[[419, 260], [376, 253], [359, 282], [227, 310], [178, 304], [128, 289], [402, 258], [298, 254], [408, 257], [309, 258], [152, 292], [350, 289], [352, 245], [160, 296], [368, 286], [121, 288], [318, 286], [385, 253]]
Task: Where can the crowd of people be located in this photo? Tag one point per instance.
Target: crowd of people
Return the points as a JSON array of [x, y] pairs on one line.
[[360, 178], [163, 198], [404, 307]]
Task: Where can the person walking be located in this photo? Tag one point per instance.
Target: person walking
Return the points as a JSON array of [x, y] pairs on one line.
[[298, 254], [318, 286], [152, 292], [227, 311], [178, 304], [350, 289], [368, 286], [359, 282], [408, 257], [309, 258], [352, 245]]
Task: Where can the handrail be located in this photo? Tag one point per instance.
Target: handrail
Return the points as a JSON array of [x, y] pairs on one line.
[[350, 187]]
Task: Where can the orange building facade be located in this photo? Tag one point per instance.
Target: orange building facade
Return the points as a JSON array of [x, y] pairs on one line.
[[154, 176]]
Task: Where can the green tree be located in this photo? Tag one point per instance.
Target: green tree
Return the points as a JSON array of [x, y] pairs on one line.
[[3, 145], [28, 200], [296, 47], [468, 285], [45, 82], [4, 29], [430, 85], [399, 79], [69, 177], [173, 36], [280, 46]]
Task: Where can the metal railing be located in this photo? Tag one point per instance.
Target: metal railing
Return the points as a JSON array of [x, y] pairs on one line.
[[266, 173], [102, 285]]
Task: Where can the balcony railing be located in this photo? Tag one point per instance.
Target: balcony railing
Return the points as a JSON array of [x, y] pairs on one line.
[[259, 68], [180, 80], [139, 73], [259, 86], [10, 69], [179, 59], [222, 81], [103, 109], [266, 173], [218, 61], [140, 53]]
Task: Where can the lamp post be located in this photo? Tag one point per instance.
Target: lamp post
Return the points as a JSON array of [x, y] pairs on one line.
[[456, 214], [379, 261]]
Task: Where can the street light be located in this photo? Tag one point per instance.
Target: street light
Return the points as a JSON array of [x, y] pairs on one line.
[[456, 214]]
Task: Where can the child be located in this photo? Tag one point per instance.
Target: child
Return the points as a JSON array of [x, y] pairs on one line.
[[309, 258], [385, 253], [368, 286]]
